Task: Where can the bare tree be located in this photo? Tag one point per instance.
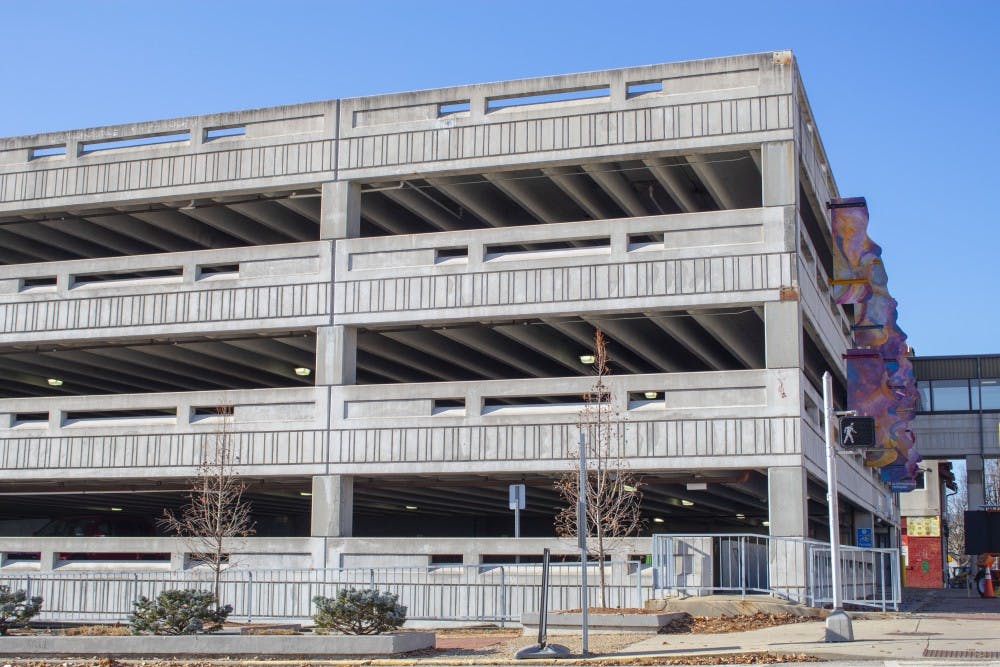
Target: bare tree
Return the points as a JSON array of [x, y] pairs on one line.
[[956, 505], [216, 511], [611, 489]]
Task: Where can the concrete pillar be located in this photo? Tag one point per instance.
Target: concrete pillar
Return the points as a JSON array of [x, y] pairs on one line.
[[47, 561], [332, 505], [863, 519], [975, 482], [178, 560], [782, 334], [340, 213], [787, 503], [779, 173], [336, 355]]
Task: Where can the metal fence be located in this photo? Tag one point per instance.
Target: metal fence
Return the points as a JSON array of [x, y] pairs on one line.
[[792, 568], [483, 593]]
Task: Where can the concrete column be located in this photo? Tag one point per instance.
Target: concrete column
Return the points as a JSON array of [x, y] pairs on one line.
[[782, 334], [340, 213], [787, 503], [779, 169], [863, 519], [974, 486], [178, 560], [336, 355], [47, 561], [332, 505]]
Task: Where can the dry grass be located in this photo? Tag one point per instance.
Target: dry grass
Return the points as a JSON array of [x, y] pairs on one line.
[[96, 631], [719, 624], [269, 631]]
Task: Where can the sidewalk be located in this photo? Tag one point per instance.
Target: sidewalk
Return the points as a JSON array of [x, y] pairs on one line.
[[942, 624]]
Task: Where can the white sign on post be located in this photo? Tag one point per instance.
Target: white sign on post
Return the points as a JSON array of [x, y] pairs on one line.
[[517, 496]]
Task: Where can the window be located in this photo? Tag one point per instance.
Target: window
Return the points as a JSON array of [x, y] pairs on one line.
[[989, 389], [950, 395]]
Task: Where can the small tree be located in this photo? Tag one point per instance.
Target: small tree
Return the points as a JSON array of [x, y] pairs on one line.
[[186, 612], [216, 512], [611, 489], [16, 609], [364, 612]]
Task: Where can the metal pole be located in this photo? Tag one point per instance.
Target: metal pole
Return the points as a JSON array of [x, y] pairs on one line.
[[581, 527], [832, 500], [838, 624]]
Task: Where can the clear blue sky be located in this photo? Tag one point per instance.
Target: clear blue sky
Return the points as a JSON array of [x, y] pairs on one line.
[[905, 93]]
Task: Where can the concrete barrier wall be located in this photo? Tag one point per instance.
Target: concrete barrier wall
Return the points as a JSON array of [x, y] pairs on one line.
[[270, 286]]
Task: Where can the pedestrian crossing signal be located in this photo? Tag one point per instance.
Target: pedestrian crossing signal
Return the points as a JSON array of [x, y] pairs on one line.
[[857, 432]]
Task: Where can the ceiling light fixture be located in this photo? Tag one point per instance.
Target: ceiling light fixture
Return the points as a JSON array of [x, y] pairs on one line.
[[305, 493], [302, 371], [687, 503], [629, 488], [116, 509], [55, 382], [657, 520], [765, 523], [412, 507], [651, 395], [741, 515], [586, 358]]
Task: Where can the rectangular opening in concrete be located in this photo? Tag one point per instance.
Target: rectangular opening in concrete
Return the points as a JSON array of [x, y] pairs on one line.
[[218, 271], [450, 108], [213, 133], [47, 151], [132, 142], [31, 419], [39, 283], [131, 277], [643, 88], [556, 97]]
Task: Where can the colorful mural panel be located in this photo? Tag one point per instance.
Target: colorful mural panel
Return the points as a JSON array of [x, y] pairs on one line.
[[880, 380]]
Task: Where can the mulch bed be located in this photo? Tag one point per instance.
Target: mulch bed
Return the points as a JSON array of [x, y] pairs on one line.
[[711, 625]]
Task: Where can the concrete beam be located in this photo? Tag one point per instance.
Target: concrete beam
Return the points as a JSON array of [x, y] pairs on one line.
[[618, 188], [667, 174], [574, 183], [332, 506]]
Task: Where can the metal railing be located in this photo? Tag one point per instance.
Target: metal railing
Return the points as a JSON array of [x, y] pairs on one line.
[[483, 593], [792, 568]]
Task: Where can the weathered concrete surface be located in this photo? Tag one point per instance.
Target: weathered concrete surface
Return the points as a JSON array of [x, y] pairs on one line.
[[223, 644], [567, 623], [730, 605]]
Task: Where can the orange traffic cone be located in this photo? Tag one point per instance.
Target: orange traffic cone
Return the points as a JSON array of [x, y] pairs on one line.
[[988, 584]]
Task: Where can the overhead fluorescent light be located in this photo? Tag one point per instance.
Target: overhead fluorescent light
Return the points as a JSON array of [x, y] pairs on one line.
[[303, 371], [55, 382], [651, 394], [412, 507], [629, 488], [657, 519], [116, 509], [687, 503], [305, 493], [765, 523], [586, 358], [741, 515]]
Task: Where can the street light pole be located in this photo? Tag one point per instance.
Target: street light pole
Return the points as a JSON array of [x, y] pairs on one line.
[[581, 527], [838, 624]]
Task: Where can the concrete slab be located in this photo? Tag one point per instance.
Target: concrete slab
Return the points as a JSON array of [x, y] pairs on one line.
[[219, 645]]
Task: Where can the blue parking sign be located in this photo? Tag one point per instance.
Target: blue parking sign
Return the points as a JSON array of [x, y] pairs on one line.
[[865, 537]]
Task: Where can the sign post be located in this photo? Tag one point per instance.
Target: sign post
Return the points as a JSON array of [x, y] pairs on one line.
[[516, 501], [838, 624]]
